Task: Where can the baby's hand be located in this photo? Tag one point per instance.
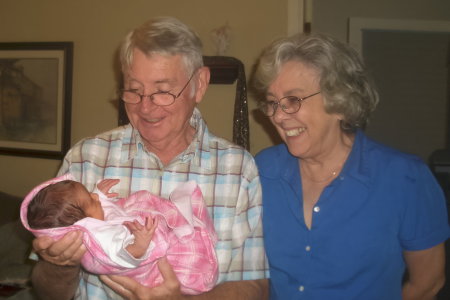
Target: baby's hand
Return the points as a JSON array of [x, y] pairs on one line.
[[105, 185], [143, 234]]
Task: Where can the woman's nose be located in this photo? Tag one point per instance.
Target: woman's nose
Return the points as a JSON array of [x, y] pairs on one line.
[[279, 114]]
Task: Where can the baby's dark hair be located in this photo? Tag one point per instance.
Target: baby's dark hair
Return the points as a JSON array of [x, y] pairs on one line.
[[55, 206]]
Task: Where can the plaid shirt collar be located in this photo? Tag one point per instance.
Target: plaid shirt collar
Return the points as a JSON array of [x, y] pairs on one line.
[[197, 153]]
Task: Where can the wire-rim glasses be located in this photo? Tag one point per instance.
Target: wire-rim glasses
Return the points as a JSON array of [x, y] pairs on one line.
[[289, 104], [161, 98]]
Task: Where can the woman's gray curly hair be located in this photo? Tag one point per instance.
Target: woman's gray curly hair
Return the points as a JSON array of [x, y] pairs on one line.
[[163, 35], [344, 83]]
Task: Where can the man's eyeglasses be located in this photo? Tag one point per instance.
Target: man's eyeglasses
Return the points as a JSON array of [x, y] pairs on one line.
[[159, 98], [289, 104]]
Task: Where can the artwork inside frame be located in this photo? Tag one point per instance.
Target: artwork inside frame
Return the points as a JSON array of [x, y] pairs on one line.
[[35, 98]]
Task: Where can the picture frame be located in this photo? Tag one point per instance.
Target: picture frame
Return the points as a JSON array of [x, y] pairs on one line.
[[35, 98]]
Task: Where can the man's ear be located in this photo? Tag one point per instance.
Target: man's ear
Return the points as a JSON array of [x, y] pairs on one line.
[[203, 75]]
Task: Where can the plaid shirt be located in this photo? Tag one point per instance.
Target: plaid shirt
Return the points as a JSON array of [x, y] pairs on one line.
[[227, 176]]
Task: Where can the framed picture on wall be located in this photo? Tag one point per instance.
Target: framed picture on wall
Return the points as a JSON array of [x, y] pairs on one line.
[[35, 98]]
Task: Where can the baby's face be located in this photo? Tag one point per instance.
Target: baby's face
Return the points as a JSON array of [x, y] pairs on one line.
[[89, 203]]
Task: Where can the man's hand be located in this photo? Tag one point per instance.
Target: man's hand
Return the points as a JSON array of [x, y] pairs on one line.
[[56, 275], [132, 290], [67, 251]]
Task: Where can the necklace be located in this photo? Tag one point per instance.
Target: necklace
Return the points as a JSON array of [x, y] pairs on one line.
[[310, 178]]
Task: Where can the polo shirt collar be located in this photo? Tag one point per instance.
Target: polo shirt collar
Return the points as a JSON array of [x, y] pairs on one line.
[[130, 141], [199, 149], [356, 166]]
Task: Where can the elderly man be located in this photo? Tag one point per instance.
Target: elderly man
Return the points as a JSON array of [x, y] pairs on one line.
[[166, 143]]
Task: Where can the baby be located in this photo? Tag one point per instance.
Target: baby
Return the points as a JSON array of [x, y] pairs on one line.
[[127, 236], [66, 202]]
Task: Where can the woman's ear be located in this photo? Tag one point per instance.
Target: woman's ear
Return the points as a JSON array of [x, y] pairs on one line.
[[202, 83], [340, 117]]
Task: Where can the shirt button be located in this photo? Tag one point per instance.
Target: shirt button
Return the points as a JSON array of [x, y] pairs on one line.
[[316, 208], [308, 248], [301, 288]]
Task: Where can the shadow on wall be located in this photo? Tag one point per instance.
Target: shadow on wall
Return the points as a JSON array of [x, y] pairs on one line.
[[268, 127]]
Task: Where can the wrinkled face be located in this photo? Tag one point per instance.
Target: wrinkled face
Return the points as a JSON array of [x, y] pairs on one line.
[[310, 132], [89, 203], [158, 125]]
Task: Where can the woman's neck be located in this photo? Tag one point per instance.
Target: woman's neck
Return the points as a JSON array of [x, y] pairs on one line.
[[326, 166]]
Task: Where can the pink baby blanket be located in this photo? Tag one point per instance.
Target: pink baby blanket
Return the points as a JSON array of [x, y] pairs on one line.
[[185, 235]]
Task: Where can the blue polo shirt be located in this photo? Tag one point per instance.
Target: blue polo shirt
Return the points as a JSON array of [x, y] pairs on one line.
[[382, 203]]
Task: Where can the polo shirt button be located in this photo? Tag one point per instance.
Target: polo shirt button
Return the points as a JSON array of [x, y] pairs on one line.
[[308, 248], [301, 288], [316, 208]]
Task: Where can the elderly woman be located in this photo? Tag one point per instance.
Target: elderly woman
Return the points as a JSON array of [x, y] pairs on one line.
[[344, 216]]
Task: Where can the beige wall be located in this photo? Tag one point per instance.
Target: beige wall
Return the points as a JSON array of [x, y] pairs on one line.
[[97, 26]]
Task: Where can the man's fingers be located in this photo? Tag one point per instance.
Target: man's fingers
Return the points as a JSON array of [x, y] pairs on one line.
[[131, 289], [42, 243], [68, 245], [167, 271], [67, 251], [119, 284], [79, 253]]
